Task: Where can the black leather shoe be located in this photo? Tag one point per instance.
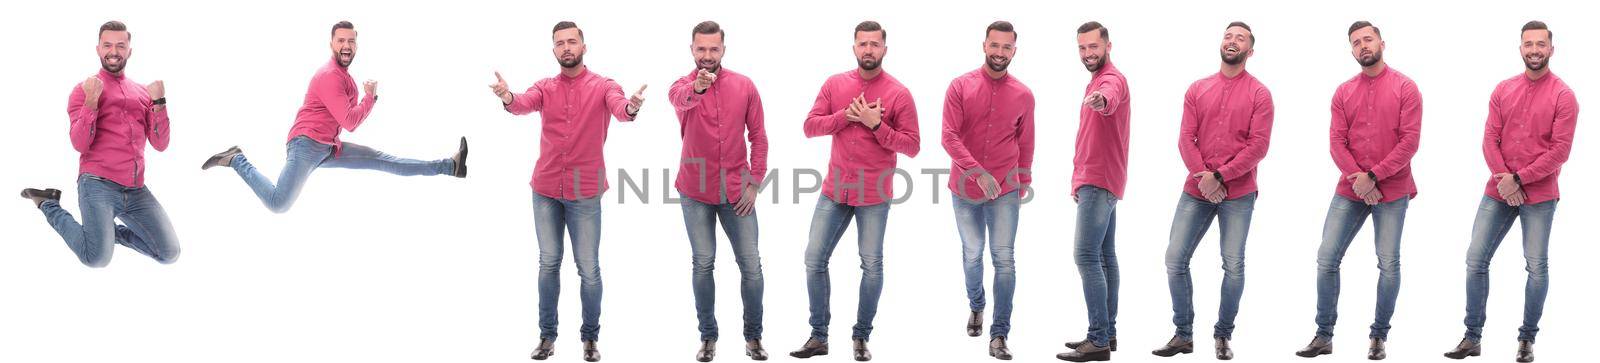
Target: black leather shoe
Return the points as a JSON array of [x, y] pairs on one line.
[[1175, 346], [813, 347], [975, 324], [1318, 346], [1375, 351], [591, 352], [998, 349], [708, 350], [1224, 352], [461, 159], [39, 196], [224, 158], [1466, 348], [546, 348], [1074, 345], [1086, 352], [1524, 351], [862, 354], [754, 350]]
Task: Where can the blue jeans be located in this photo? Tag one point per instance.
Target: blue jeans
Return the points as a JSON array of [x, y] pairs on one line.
[[700, 220], [1493, 222], [1189, 225], [1345, 218], [145, 226], [1096, 255], [306, 155], [827, 226], [994, 221], [579, 219]]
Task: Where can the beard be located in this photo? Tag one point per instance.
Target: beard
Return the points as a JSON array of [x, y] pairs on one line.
[[709, 65], [869, 64], [1368, 62], [574, 62], [997, 66], [1536, 66], [1095, 66], [340, 57], [1232, 60], [105, 63]]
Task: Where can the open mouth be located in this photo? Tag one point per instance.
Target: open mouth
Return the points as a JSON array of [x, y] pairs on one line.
[[1231, 49]]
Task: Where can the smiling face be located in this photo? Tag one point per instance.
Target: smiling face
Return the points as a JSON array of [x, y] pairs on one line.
[[1366, 46], [707, 50], [1093, 49], [1536, 49], [114, 50], [870, 49], [998, 49], [568, 47], [1237, 46], [343, 45]]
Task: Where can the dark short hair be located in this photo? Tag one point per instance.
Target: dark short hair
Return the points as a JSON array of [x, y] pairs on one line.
[[872, 26], [1092, 26], [115, 26], [708, 27], [564, 25], [1001, 26], [1363, 24], [342, 24], [1539, 25], [1246, 28]]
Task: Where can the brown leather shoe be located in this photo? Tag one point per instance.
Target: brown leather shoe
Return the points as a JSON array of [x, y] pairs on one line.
[[1318, 346], [1224, 352], [754, 350], [224, 158], [461, 159], [1376, 351], [862, 354], [1175, 346], [591, 352], [813, 347], [39, 196], [546, 348], [708, 351], [1524, 351], [998, 349], [1074, 345], [1086, 352], [1466, 348], [975, 324]]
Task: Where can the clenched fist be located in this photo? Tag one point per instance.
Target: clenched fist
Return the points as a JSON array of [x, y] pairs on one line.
[[91, 93]]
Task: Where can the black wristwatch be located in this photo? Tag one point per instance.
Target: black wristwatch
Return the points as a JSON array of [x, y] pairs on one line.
[[1517, 178], [159, 101], [1372, 175]]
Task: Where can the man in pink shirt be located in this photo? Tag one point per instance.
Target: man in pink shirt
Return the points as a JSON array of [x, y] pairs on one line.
[[718, 110], [988, 131], [331, 104], [112, 117], [1099, 172], [575, 108], [1377, 122], [870, 117], [1527, 138], [1227, 123]]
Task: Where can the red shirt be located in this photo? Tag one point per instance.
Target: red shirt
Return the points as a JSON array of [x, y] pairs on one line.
[[1377, 122], [714, 163], [988, 125], [331, 104], [575, 113], [1529, 133], [1227, 124], [110, 139], [1101, 158], [861, 168]]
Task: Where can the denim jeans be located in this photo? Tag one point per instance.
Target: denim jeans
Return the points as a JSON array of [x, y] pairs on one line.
[[1345, 218], [828, 223], [145, 226], [1189, 225], [1095, 252], [994, 221], [1493, 222], [579, 219], [306, 155], [700, 219]]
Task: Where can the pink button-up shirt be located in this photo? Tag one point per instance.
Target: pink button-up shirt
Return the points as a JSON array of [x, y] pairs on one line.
[[714, 163], [1377, 122], [988, 125], [1101, 159], [111, 138], [1227, 123], [575, 113], [1529, 133], [861, 168], [331, 104]]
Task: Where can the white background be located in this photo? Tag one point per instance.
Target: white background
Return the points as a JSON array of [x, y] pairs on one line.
[[373, 267]]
